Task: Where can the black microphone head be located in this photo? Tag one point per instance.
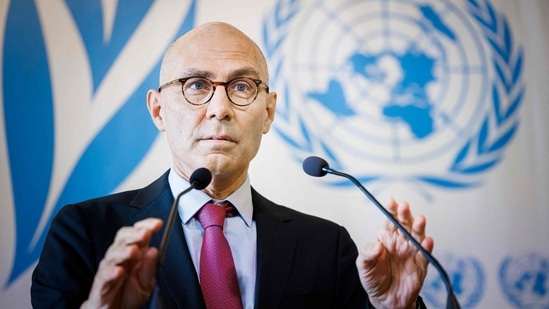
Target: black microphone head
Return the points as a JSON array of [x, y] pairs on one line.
[[200, 178], [314, 166]]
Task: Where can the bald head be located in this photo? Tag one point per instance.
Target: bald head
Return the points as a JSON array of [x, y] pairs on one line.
[[217, 41], [220, 135]]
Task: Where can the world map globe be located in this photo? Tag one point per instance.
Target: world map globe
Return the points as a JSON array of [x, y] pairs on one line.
[[388, 82]]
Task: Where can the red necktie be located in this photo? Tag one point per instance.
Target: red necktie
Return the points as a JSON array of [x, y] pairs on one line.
[[218, 279]]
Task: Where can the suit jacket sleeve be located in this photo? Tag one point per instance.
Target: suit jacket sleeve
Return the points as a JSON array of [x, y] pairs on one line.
[[68, 262], [304, 261], [79, 236]]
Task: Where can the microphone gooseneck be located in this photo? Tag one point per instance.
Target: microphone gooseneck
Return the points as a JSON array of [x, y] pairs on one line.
[[199, 180], [318, 167]]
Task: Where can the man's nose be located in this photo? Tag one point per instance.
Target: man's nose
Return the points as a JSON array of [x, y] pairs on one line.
[[220, 106]]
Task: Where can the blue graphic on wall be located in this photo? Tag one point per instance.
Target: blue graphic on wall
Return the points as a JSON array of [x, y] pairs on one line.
[[468, 282], [408, 101], [525, 280], [421, 92], [30, 123]]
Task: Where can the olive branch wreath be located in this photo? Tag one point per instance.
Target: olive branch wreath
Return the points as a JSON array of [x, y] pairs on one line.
[[484, 150]]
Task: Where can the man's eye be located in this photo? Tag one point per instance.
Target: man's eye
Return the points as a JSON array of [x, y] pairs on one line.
[[197, 84], [241, 86]]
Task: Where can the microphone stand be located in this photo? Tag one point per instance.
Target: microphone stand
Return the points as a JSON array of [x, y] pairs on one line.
[[451, 301], [164, 242], [199, 180]]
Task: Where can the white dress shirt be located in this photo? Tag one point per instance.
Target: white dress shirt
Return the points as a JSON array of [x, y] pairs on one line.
[[240, 231]]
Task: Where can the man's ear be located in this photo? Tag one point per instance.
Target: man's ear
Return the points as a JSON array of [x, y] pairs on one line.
[[271, 108], [155, 109]]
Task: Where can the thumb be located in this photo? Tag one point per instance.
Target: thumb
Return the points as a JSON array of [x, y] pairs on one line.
[[369, 255], [368, 265]]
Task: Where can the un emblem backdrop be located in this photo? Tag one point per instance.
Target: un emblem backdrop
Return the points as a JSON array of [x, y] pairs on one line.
[[442, 103]]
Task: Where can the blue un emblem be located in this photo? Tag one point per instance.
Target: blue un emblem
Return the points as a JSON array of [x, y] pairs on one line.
[[468, 282], [525, 280], [420, 92]]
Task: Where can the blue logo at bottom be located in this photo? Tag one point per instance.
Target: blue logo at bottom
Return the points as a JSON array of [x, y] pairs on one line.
[[525, 280], [467, 277]]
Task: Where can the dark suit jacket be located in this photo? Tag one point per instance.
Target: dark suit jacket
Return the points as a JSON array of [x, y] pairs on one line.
[[302, 261]]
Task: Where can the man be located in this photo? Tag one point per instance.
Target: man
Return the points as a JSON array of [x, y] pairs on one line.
[[214, 105]]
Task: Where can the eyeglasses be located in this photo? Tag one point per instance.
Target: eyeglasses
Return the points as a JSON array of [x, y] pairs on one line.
[[197, 90]]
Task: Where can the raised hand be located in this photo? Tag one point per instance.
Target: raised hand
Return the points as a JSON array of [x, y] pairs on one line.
[[392, 270], [126, 274]]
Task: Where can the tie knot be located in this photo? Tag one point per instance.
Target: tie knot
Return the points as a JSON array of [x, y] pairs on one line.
[[211, 214]]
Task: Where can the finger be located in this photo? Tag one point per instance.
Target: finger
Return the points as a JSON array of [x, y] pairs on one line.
[[139, 233], [404, 216], [418, 232], [421, 260], [110, 278], [128, 253], [373, 268], [107, 281], [391, 207], [123, 255], [428, 244], [152, 224], [368, 260], [131, 242], [418, 228], [147, 227], [147, 271], [370, 253]]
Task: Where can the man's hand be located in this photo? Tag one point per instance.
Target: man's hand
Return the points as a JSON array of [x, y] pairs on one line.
[[126, 274], [392, 270]]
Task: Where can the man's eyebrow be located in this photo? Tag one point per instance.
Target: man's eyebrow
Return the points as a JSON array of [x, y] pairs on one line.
[[197, 72], [246, 71]]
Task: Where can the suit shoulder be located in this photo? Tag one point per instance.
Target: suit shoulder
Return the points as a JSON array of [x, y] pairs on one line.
[[124, 203], [100, 204]]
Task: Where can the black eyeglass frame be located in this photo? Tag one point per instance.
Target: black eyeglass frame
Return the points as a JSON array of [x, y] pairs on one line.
[[183, 80]]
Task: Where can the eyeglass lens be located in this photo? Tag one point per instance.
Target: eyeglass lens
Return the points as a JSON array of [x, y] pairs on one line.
[[199, 90]]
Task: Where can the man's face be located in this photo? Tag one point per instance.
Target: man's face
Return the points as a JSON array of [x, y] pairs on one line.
[[218, 135]]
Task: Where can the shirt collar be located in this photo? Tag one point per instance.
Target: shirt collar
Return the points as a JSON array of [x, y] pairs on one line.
[[190, 203]]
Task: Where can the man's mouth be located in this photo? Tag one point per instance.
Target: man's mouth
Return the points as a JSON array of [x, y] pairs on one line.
[[219, 138]]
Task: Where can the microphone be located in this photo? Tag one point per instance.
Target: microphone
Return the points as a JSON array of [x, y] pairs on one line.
[[318, 167], [199, 180]]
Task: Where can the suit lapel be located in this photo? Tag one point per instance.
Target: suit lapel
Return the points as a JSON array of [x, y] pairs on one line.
[[276, 242], [177, 280]]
